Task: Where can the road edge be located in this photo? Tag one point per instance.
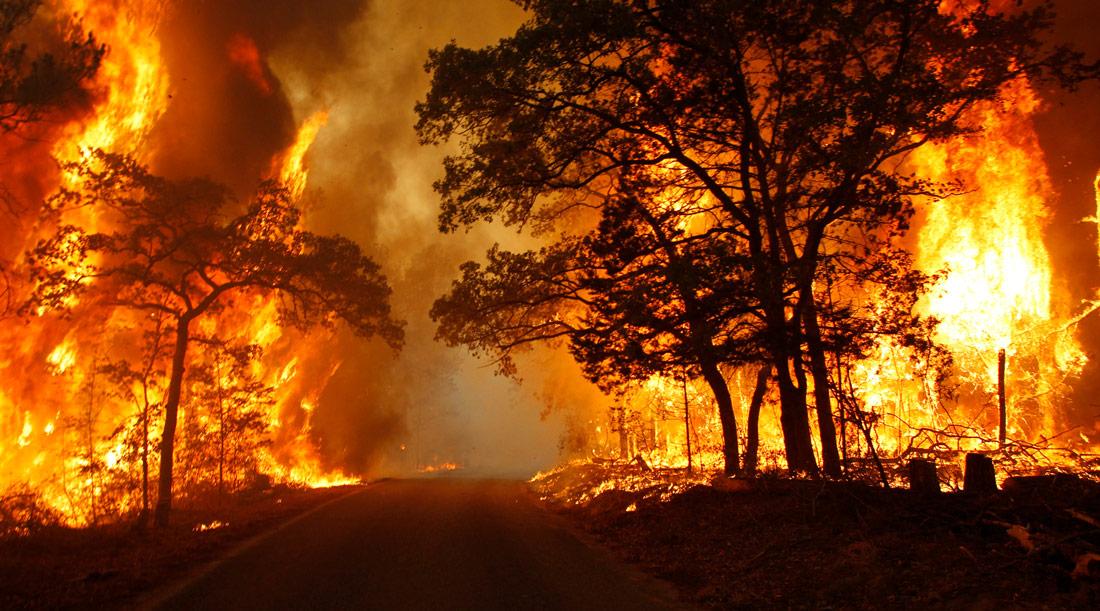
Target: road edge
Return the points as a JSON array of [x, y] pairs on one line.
[[162, 594]]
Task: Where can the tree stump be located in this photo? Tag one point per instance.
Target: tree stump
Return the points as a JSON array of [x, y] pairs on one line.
[[980, 477], [922, 477]]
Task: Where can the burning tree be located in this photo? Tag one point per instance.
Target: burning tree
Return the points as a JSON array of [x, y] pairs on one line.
[[788, 122], [225, 437], [182, 250], [38, 80], [33, 84]]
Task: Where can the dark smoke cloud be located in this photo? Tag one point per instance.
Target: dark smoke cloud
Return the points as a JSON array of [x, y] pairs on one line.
[[220, 123]]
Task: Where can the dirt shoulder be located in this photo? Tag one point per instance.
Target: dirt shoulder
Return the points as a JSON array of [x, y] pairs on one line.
[[800, 544], [116, 566]]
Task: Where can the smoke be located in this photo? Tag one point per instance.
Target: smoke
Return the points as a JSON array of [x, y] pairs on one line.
[[1068, 132], [362, 62], [244, 75]]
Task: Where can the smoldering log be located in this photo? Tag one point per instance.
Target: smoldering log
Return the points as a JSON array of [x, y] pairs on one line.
[[923, 478], [980, 477]]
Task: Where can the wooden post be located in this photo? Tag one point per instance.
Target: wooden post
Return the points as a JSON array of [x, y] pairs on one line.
[[922, 477], [979, 477], [1002, 431], [687, 423]]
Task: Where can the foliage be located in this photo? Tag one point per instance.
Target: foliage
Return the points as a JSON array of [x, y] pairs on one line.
[[180, 249], [709, 155], [225, 428], [33, 84], [173, 248]]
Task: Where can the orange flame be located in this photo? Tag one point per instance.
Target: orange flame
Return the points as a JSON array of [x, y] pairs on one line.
[[56, 414]]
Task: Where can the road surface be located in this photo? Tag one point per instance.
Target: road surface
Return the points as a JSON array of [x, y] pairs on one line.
[[423, 544]]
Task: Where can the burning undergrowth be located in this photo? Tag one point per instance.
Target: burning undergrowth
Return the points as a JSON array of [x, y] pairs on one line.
[[612, 485], [94, 395]]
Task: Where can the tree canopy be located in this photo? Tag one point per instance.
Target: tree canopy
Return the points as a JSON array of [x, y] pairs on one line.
[[179, 248], [34, 82], [775, 132]]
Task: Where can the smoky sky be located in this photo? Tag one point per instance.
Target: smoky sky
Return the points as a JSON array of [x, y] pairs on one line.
[[1069, 133], [362, 63]]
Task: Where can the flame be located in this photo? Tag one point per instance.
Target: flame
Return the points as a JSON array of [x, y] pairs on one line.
[[999, 293], [25, 435], [132, 80], [443, 467], [208, 526], [1096, 219], [74, 461], [292, 171], [62, 358]]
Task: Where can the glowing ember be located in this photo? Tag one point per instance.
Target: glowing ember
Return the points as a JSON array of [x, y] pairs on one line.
[[214, 525], [444, 467]]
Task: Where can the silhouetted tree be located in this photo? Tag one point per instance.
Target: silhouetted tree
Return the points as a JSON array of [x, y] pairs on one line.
[[36, 82], [181, 247], [789, 118], [633, 297]]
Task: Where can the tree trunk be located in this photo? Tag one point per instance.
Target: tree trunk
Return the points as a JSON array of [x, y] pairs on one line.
[[923, 478], [793, 417], [980, 476], [830, 456], [221, 427], [171, 409], [145, 453], [726, 416], [794, 420], [624, 436], [752, 446]]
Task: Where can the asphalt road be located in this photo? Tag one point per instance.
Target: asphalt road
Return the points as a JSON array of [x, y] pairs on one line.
[[423, 544]]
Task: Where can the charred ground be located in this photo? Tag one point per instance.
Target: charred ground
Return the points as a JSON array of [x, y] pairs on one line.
[[775, 543], [108, 567]]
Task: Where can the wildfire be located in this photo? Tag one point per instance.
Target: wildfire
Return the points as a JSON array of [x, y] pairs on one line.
[[444, 467], [62, 358], [132, 81], [66, 444], [999, 293]]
